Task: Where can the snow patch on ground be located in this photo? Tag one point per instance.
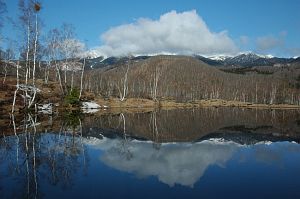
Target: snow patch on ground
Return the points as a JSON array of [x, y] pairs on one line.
[[90, 107]]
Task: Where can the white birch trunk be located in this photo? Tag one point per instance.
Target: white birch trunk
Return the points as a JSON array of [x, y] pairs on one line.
[[125, 86], [72, 80], [17, 88], [59, 78], [34, 61], [81, 78], [27, 65]]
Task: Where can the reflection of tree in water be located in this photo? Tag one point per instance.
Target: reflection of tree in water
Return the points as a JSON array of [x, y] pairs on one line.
[[154, 129], [183, 125], [30, 157], [124, 145]]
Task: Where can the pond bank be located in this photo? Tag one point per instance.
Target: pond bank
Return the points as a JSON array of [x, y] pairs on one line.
[[139, 104], [169, 104], [50, 93]]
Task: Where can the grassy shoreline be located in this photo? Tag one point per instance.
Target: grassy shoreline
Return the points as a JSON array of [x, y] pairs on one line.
[[140, 105], [51, 93], [169, 104]]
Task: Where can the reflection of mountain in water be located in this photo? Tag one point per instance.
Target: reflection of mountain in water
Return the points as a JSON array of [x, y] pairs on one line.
[[190, 125], [181, 125], [178, 163], [249, 136]]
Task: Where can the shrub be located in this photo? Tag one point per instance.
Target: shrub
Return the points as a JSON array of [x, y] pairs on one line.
[[72, 98]]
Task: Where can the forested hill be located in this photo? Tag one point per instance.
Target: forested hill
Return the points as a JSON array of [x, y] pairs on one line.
[[187, 78], [180, 78]]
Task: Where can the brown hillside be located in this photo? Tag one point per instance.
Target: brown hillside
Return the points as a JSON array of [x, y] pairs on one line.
[[185, 78]]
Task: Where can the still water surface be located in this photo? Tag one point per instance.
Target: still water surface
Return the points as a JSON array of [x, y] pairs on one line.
[[200, 153]]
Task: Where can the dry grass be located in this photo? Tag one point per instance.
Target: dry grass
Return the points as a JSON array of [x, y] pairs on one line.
[[169, 104], [224, 103], [127, 103]]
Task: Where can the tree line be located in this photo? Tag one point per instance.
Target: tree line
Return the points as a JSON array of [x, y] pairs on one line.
[[186, 79], [35, 55]]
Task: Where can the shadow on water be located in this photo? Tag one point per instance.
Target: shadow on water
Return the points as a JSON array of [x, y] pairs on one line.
[[45, 156]]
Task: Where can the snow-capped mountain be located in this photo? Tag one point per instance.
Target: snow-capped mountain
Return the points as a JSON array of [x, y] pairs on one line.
[[101, 62], [219, 57], [246, 60], [241, 60]]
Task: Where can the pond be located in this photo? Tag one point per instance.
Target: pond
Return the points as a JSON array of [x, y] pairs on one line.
[[182, 153]]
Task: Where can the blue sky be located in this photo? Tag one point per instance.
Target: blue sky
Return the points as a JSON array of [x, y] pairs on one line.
[[266, 27]]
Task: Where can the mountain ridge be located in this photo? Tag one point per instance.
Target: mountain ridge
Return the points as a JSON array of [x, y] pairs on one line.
[[241, 60]]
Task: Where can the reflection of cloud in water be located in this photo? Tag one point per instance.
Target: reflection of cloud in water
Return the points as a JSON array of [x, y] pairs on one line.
[[184, 163], [180, 163]]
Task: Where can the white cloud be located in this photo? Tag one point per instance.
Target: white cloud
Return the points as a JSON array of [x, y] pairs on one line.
[[269, 42], [172, 33]]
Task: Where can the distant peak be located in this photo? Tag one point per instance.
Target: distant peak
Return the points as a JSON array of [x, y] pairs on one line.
[[219, 57], [252, 54]]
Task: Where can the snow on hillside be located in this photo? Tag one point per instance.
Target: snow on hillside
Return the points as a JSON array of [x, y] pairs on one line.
[[219, 57]]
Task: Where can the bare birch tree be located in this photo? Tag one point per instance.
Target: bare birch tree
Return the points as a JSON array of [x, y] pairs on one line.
[[124, 84], [17, 88], [26, 13], [9, 55], [53, 51], [67, 34], [156, 76], [36, 8], [81, 77]]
